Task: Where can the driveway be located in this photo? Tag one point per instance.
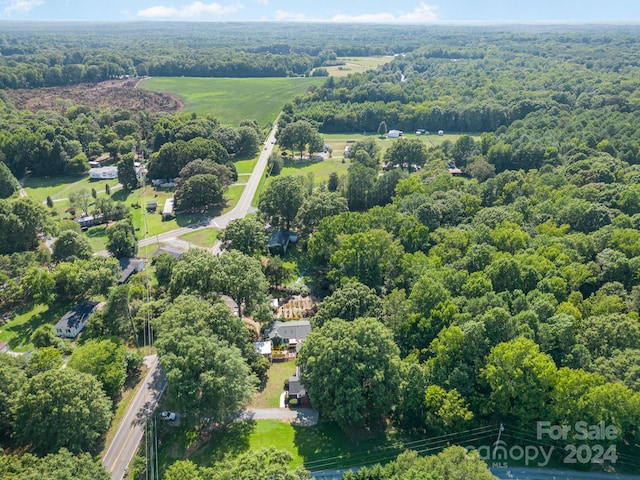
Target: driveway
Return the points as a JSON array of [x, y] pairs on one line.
[[301, 417]]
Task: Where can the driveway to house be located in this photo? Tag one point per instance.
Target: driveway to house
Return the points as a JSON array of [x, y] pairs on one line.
[[303, 417]]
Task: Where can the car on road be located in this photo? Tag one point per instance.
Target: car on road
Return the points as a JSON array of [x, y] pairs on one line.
[[169, 416]]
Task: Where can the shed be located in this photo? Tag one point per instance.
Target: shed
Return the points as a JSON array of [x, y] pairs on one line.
[[103, 173], [440, 132], [75, 320], [152, 205], [296, 388], [394, 133], [4, 347], [129, 266], [167, 210]]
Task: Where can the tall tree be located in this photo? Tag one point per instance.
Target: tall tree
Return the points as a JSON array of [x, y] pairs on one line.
[[297, 136], [244, 234], [351, 371], [12, 380], [280, 201], [62, 409], [22, 222], [62, 465], [8, 183], [122, 241], [407, 153], [71, 245], [350, 301], [105, 360], [240, 276], [199, 192], [317, 206], [127, 175]]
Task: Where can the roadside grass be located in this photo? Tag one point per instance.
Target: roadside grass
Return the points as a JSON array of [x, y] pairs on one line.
[[131, 387], [17, 332], [321, 447], [269, 396], [356, 65], [232, 100], [233, 194], [205, 238], [245, 166]]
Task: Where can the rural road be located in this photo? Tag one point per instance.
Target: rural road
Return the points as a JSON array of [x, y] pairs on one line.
[[129, 434], [131, 429], [240, 210]]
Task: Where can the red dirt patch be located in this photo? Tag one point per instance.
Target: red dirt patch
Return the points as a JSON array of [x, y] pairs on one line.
[[104, 95]]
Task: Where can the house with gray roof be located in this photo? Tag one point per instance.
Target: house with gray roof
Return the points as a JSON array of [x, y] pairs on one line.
[[75, 320]]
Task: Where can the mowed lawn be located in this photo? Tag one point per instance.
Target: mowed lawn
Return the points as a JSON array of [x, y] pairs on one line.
[[232, 100], [269, 396]]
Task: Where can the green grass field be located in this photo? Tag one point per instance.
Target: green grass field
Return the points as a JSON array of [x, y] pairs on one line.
[[18, 330], [356, 65], [232, 100], [205, 238]]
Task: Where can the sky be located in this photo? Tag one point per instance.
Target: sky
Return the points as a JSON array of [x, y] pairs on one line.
[[369, 11]]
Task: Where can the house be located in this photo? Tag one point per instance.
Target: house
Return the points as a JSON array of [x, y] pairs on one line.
[[167, 210], [75, 320], [394, 133], [291, 333], [90, 220], [421, 131], [103, 173], [174, 252], [263, 348], [455, 171], [152, 205], [94, 164], [296, 388], [4, 347], [280, 240], [129, 266]]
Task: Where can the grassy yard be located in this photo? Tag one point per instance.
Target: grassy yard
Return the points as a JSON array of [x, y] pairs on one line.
[[18, 330], [269, 397], [356, 65], [245, 166], [205, 238], [324, 446], [232, 100]]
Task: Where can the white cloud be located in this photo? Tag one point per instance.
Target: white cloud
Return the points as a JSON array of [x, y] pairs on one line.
[[424, 13], [21, 6], [283, 16], [196, 9], [263, 2]]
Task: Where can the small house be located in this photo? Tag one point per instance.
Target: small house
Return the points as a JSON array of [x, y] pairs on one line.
[[280, 240], [167, 210], [455, 171], [103, 173], [129, 266], [4, 347], [152, 205], [394, 133], [75, 320]]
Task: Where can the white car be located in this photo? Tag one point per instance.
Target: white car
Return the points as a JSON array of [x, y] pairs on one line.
[[169, 416]]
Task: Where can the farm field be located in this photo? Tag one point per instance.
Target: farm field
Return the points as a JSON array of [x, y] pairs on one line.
[[356, 65], [232, 100]]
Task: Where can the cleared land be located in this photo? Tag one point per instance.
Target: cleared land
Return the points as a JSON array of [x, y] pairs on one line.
[[356, 65], [232, 100]]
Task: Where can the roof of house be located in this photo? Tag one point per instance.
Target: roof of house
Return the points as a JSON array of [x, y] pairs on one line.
[[76, 315], [295, 385], [129, 266], [174, 252], [282, 237], [298, 329], [4, 345]]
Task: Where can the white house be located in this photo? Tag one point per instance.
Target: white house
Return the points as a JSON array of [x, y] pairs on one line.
[[75, 320], [103, 173], [394, 133], [167, 210]]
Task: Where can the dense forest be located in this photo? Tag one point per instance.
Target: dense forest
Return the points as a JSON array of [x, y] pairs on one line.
[[508, 294]]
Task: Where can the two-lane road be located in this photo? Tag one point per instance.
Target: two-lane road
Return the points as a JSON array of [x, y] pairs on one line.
[[129, 434]]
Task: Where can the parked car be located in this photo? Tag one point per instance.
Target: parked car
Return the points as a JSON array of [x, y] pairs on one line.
[[169, 416]]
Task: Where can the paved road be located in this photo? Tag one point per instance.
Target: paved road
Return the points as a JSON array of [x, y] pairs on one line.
[[305, 417], [240, 210], [129, 434]]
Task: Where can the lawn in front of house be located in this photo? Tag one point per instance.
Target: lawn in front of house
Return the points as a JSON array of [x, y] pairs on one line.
[[18, 330], [269, 396], [203, 238]]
